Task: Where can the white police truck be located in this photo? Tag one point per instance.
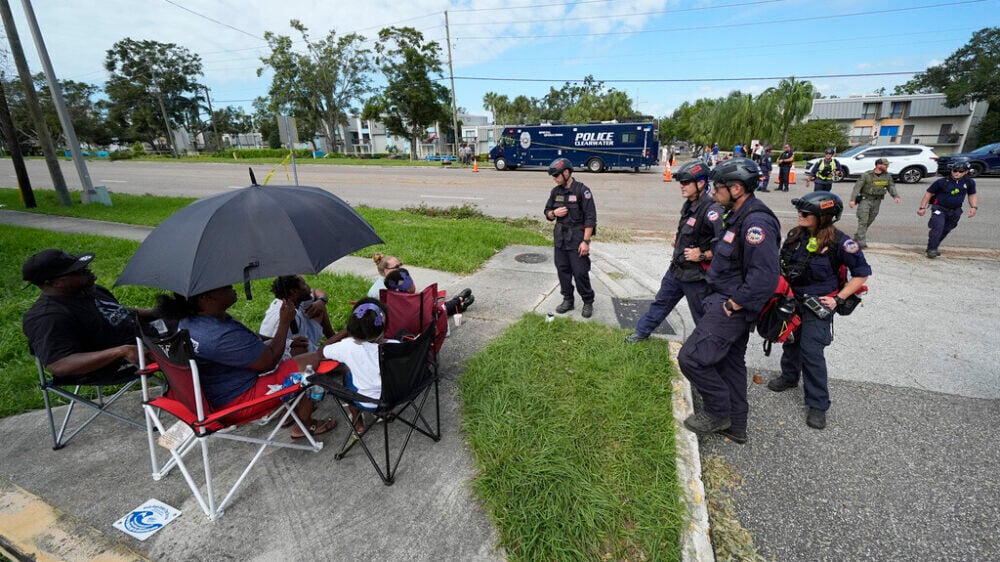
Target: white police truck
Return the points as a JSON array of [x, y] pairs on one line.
[[596, 146]]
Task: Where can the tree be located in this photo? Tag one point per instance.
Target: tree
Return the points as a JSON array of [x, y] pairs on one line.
[[791, 101], [318, 88], [817, 135], [500, 106], [142, 73], [971, 73], [412, 99], [265, 121], [87, 114]]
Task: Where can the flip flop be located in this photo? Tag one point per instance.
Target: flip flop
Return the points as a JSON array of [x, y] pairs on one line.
[[315, 428]]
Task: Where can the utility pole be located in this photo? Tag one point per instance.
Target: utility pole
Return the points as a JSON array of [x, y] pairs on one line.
[[9, 131], [57, 99], [31, 99], [163, 112], [451, 74], [211, 115]]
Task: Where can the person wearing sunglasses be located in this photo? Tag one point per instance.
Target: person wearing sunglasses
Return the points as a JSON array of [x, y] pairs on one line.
[[385, 265], [77, 328], [946, 197], [742, 277], [868, 193], [700, 224], [811, 259]]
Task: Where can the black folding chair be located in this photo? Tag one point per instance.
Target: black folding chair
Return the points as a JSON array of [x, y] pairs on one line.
[[69, 387], [409, 373]]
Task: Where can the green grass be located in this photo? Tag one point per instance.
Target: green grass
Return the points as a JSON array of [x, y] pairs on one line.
[[298, 159], [573, 436], [18, 378], [457, 239]]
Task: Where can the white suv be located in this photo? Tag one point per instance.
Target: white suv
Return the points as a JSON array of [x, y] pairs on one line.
[[907, 163]]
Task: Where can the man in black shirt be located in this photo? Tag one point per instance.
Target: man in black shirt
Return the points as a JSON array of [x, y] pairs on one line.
[[571, 206], [76, 328], [785, 162]]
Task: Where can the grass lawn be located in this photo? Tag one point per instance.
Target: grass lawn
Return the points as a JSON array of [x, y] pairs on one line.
[[573, 435], [457, 239]]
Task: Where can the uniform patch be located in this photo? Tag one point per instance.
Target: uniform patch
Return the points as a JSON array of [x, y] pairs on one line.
[[713, 216], [850, 246], [728, 238], [691, 221], [586, 194], [755, 235], [572, 198]]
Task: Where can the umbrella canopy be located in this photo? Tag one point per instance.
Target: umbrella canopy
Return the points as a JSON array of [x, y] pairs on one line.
[[250, 233]]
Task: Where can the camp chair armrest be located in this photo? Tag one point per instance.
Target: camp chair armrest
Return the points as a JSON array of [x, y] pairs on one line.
[[274, 396]]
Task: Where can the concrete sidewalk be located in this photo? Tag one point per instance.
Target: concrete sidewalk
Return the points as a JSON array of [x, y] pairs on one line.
[[904, 471]]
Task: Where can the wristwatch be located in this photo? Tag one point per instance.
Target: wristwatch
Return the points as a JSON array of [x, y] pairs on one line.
[[728, 305], [839, 300], [702, 257], [586, 241]]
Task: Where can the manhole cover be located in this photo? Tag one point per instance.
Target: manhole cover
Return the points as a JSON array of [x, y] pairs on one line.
[[530, 258], [629, 311]]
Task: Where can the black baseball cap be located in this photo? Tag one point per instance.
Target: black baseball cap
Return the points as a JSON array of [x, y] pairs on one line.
[[49, 264]]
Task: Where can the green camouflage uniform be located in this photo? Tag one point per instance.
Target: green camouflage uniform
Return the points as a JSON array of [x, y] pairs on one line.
[[868, 193]]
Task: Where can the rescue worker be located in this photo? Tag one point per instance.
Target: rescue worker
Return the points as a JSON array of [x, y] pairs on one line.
[[741, 278], [699, 226], [571, 206], [785, 162], [867, 195], [946, 196], [811, 258], [765, 164], [824, 172]]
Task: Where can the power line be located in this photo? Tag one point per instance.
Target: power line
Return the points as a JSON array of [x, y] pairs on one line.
[[726, 25], [670, 80], [223, 24], [522, 6]]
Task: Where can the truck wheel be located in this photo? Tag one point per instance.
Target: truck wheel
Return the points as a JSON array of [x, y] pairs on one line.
[[976, 170], [500, 164], [913, 174], [595, 165]]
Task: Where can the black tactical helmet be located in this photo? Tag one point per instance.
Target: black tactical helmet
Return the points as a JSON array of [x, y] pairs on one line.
[[820, 203], [743, 170], [960, 167], [558, 165], [693, 171]]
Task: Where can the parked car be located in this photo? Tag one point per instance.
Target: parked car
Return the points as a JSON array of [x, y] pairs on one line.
[[983, 160], [907, 163]]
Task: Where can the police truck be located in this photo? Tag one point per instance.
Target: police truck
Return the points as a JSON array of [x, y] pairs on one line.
[[596, 146]]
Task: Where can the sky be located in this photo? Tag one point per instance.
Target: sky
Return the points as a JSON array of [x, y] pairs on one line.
[[660, 52]]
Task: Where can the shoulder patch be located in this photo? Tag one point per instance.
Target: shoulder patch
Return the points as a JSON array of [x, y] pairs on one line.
[[850, 246], [712, 215], [755, 235], [586, 194]]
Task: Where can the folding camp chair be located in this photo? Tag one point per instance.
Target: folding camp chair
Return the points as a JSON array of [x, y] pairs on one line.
[[127, 378], [199, 422], [409, 372], [409, 313]]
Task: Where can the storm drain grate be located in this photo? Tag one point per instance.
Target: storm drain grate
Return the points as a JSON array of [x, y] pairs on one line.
[[629, 311]]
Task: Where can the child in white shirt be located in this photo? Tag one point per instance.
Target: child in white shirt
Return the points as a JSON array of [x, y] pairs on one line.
[[359, 351]]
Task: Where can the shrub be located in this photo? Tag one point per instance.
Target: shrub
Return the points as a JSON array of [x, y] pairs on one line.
[[121, 155], [138, 149]]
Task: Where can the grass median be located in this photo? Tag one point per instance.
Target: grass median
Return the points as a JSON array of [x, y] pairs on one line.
[[573, 435]]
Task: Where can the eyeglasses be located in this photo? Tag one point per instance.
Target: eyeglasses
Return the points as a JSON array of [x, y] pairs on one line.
[[805, 214], [397, 266], [686, 182], [959, 171]]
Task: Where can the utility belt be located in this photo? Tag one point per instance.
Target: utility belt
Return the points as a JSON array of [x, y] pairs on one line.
[[873, 196], [821, 178], [942, 207]]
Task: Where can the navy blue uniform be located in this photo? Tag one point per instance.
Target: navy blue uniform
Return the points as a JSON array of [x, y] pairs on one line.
[[784, 168], [700, 226], [567, 236], [815, 274], [765, 170], [745, 267], [946, 207], [824, 174]]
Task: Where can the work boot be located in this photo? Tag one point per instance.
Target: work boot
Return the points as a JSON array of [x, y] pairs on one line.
[[780, 384], [635, 337], [933, 253], [734, 435], [704, 423], [816, 418], [565, 307], [465, 293], [466, 302], [588, 310]]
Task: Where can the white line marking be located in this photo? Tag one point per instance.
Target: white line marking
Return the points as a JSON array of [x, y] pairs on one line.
[[452, 197], [113, 181]]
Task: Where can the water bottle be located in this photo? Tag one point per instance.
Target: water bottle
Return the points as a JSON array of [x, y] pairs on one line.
[[316, 392]]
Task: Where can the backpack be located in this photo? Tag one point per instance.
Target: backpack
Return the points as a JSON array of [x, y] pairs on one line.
[[779, 320]]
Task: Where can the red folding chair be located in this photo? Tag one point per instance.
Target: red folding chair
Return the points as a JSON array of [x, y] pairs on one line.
[[199, 423], [409, 313]]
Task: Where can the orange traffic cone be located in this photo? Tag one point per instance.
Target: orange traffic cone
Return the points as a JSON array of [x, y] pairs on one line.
[[475, 165], [791, 176], [666, 173]]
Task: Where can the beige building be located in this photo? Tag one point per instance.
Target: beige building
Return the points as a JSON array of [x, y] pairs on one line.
[[907, 119]]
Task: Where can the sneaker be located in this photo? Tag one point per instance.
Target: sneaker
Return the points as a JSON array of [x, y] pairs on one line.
[[933, 253], [466, 302], [704, 423], [466, 293], [816, 418], [733, 435], [588, 310], [781, 384], [565, 307], [635, 337]]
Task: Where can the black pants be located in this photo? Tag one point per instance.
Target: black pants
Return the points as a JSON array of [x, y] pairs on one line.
[[783, 172], [571, 267]]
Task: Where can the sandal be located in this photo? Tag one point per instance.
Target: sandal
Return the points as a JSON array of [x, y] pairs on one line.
[[315, 428]]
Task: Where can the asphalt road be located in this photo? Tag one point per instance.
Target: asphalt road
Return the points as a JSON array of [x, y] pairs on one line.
[[641, 202]]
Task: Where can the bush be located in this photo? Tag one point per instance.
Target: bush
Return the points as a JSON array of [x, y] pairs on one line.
[[138, 149], [121, 155]]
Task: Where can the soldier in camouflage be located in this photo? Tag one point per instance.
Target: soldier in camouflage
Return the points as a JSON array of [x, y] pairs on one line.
[[867, 196]]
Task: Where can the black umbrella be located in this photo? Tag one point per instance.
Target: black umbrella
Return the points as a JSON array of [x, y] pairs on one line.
[[250, 233]]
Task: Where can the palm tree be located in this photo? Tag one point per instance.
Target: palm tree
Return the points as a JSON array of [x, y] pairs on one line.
[[792, 101]]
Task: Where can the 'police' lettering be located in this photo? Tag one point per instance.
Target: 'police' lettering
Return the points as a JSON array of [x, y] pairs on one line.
[[594, 139]]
